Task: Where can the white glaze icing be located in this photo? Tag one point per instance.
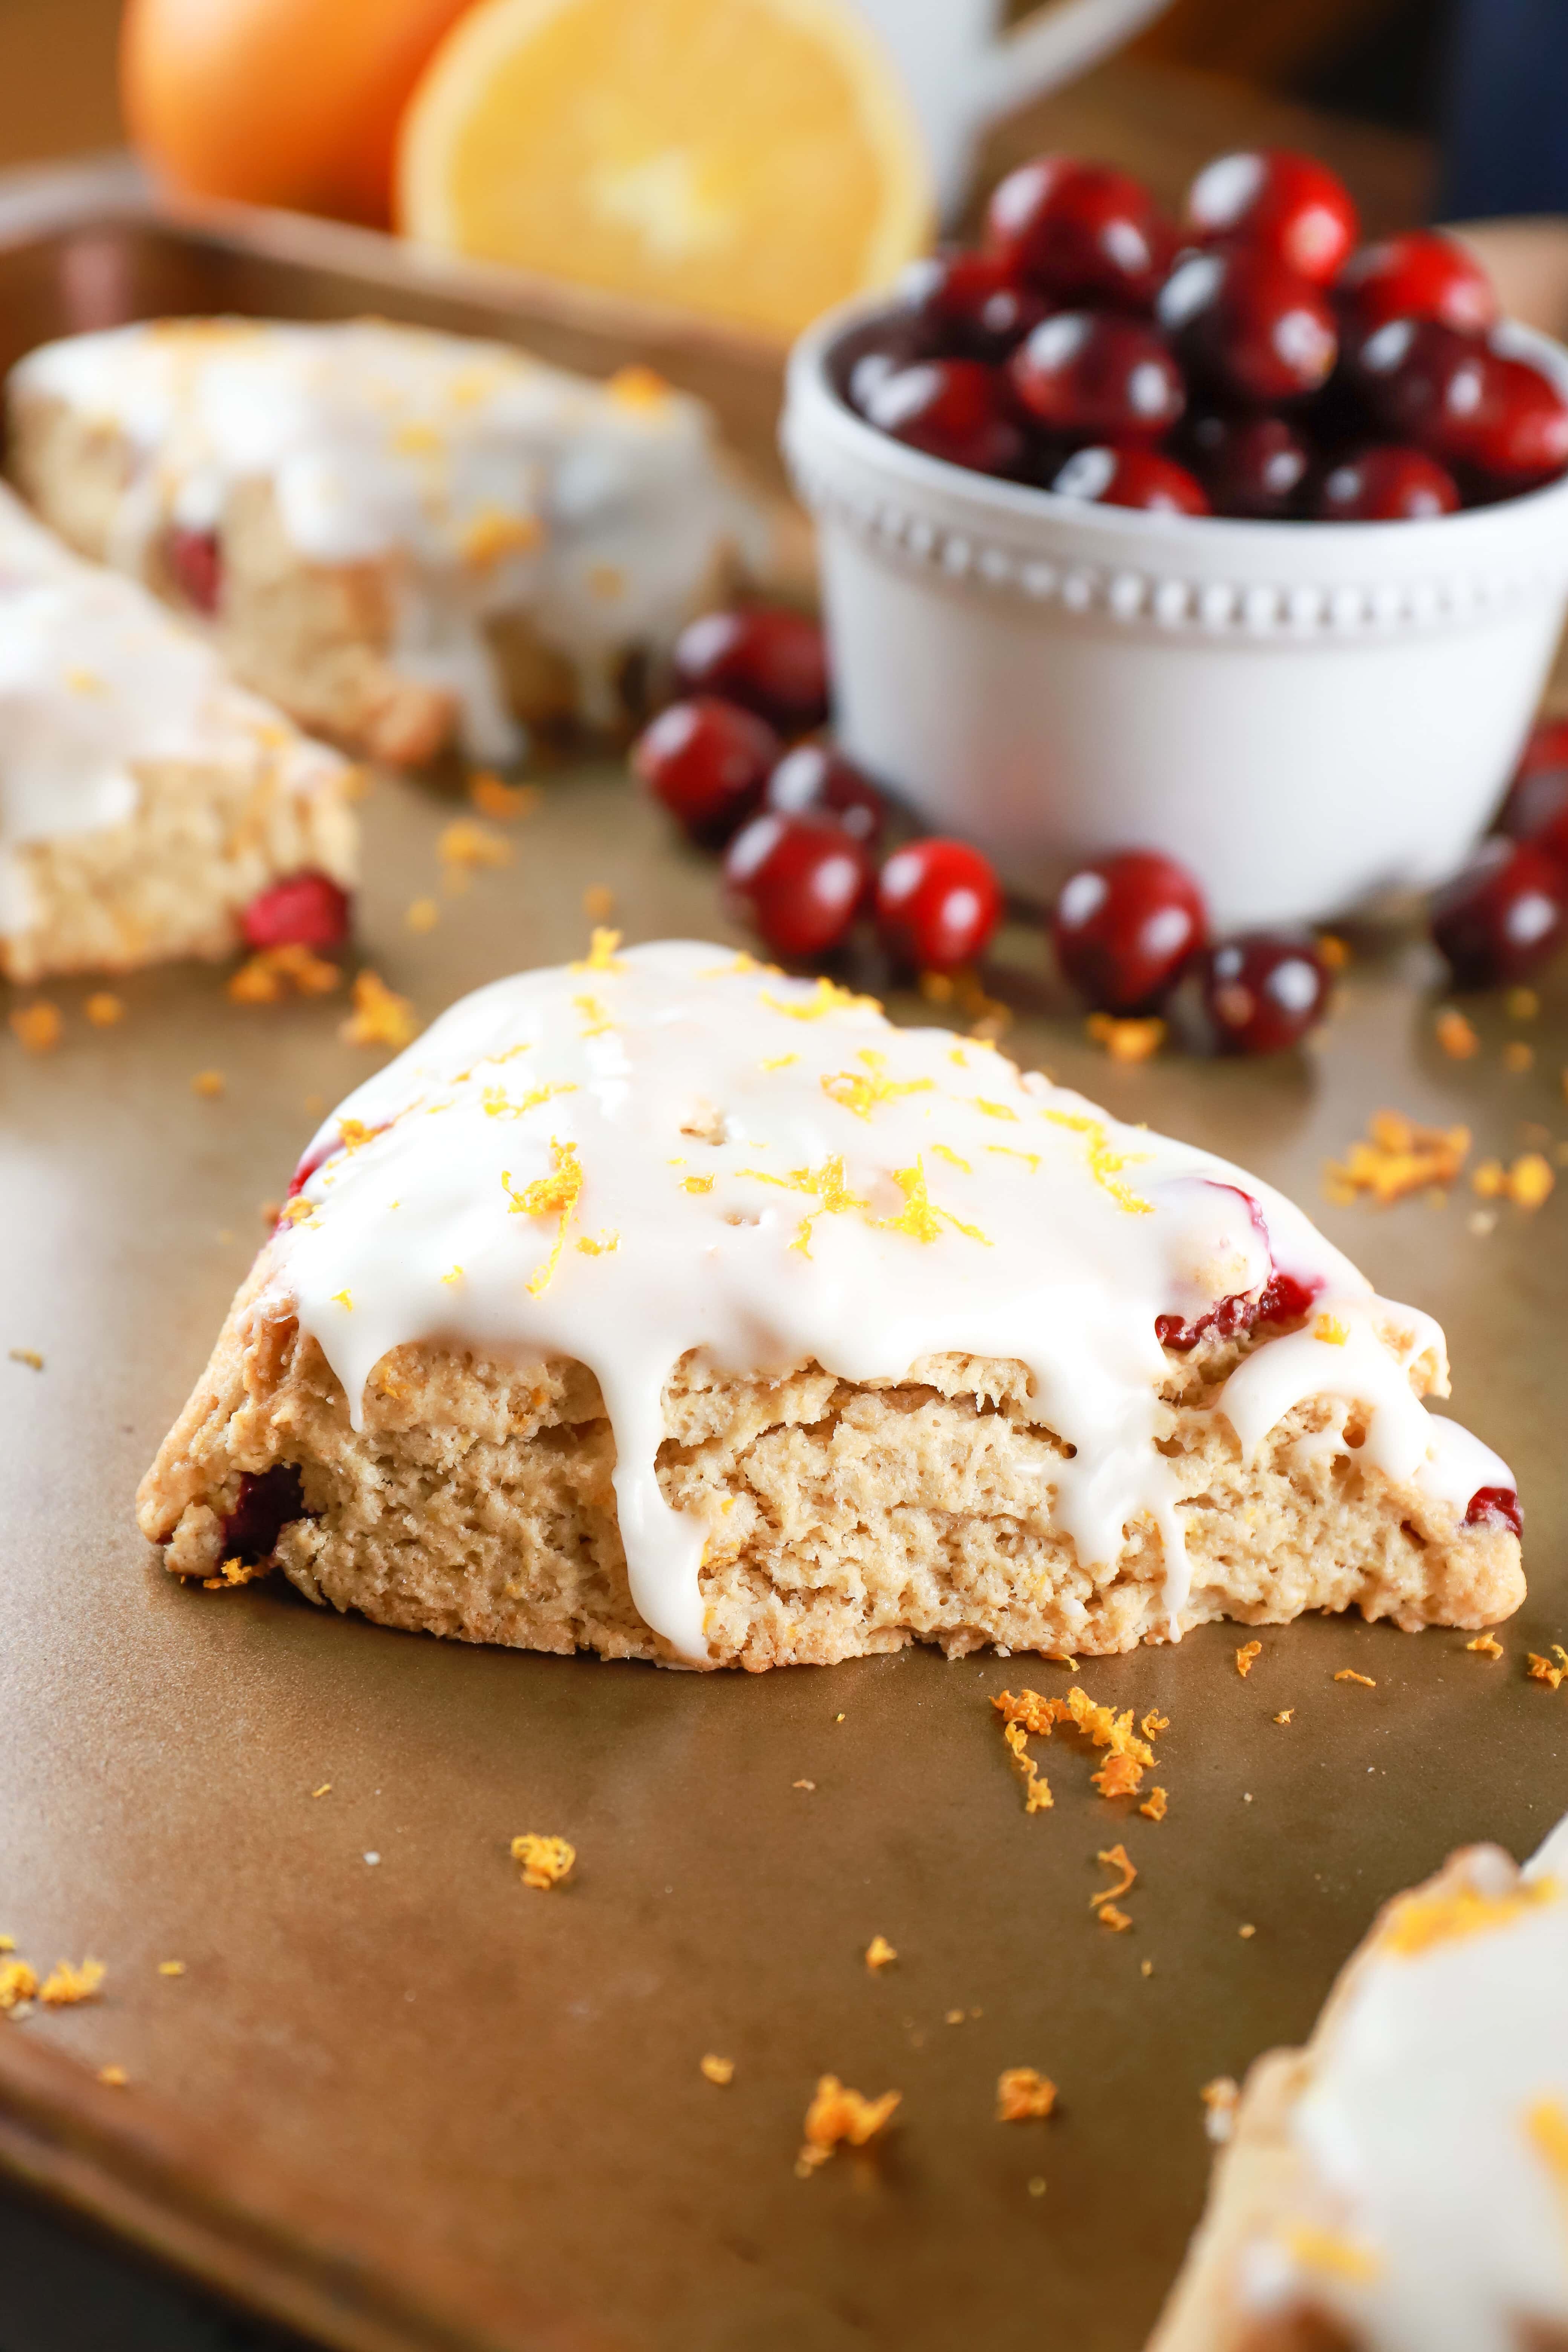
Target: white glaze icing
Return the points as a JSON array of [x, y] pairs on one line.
[[503, 485], [1050, 1233], [95, 679], [1434, 2131]]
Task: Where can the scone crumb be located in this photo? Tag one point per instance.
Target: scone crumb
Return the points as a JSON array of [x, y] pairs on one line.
[[1541, 1670], [380, 1016], [1398, 1158], [115, 2076], [1022, 2094], [838, 2114], [1221, 2099], [66, 1984], [546, 1861], [719, 2070], [29, 1356], [103, 1010], [18, 1982], [1349, 1674], [1486, 1646], [1456, 1036], [1156, 1805], [878, 1952], [209, 1084], [808, 1785], [1115, 1858], [37, 1026], [1125, 1041], [1245, 1656]]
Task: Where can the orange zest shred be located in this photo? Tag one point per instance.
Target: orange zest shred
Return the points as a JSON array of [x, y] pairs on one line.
[[596, 1020], [1123, 1040], [209, 1084], [115, 2076], [1029, 1711], [1418, 1922], [1105, 1162], [826, 998], [825, 1185], [1156, 1805], [497, 1103], [1115, 1858], [920, 1218], [556, 1194], [878, 1952], [1456, 1036], [718, 2070], [465, 845], [380, 1016], [103, 1010], [1245, 1656], [1111, 1917], [1021, 2095], [838, 2114], [1221, 2097], [1398, 1157], [18, 1982], [546, 1861], [1327, 2252], [1541, 1670], [501, 800], [237, 1571], [37, 1027], [267, 977], [1349, 1674], [861, 1091], [1284, 1715], [1527, 1184], [1546, 2128], [65, 1984], [1485, 1645]]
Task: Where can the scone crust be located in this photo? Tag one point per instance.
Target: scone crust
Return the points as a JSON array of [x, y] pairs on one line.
[[843, 1518]]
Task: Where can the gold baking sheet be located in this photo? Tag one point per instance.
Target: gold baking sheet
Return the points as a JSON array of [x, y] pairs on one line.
[[410, 2103]]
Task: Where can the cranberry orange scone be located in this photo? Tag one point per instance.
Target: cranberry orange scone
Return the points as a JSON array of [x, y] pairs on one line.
[[670, 1308], [146, 802], [402, 536], [1400, 2185]]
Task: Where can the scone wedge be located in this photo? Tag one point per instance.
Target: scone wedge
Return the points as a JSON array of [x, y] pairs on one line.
[[146, 802], [1402, 2182], [668, 1308]]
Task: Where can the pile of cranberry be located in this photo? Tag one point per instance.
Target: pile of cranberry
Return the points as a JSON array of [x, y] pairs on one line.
[[1251, 362]]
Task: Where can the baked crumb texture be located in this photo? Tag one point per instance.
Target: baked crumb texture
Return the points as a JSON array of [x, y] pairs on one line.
[[843, 1519]]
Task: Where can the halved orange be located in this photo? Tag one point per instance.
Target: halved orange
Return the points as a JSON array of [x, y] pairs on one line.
[[754, 160]]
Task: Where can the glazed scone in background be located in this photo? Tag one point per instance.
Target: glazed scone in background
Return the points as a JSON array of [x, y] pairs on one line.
[[145, 800], [403, 538], [666, 1307], [1400, 2185]]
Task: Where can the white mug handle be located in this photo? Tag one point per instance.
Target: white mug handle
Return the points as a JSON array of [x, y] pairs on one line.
[[1051, 45]]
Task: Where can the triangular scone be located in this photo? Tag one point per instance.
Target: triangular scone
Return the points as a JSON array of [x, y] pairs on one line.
[[145, 800], [670, 1308], [1400, 2185], [402, 536]]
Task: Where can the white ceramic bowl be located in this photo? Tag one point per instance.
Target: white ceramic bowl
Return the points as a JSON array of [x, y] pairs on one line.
[[1313, 717]]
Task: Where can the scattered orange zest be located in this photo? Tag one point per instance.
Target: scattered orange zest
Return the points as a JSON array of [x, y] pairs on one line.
[[546, 1861], [1349, 1674], [1245, 1656], [1021, 2095]]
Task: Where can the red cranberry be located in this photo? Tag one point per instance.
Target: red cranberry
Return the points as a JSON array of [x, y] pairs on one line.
[[965, 304], [195, 563], [1421, 275], [1521, 433], [1079, 232], [955, 409], [1250, 466], [1496, 1507], [1386, 484], [1289, 206], [816, 781], [708, 762], [1130, 478], [1125, 926], [1283, 1300], [1502, 914], [1091, 375], [1263, 991], [266, 1504], [937, 903], [803, 880], [768, 656], [1537, 803], [1253, 329], [1424, 384], [306, 910], [870, 361]]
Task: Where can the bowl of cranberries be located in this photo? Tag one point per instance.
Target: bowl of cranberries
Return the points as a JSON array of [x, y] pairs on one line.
[[1227, 536]]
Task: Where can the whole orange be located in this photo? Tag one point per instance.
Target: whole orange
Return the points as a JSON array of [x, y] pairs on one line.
[[277, 101]]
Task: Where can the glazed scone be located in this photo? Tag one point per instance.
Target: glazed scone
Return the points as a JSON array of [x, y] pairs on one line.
[[668, 1308], [403, 538], [145, 800], [1400, 2185]]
